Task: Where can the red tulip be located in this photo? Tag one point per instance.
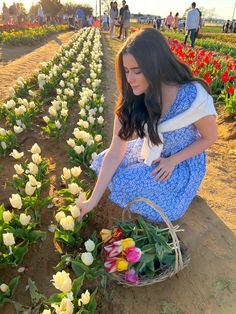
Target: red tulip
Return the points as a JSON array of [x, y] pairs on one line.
[[230, 90]]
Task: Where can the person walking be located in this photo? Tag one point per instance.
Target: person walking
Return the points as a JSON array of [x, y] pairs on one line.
[[171, 114], [192, 24], [169, 20]]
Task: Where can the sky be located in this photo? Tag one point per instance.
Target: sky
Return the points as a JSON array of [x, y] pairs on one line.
[[223, 8]]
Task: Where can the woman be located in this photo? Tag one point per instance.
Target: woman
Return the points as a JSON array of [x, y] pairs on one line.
[[176, 22], [125, 22], [173, 116], [113, 17]]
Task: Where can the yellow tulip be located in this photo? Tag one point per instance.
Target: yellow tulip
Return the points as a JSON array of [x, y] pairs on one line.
[[106, 235], [121, 264], [128, 242]]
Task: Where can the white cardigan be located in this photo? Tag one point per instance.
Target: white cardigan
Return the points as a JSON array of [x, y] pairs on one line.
[[202, 106]]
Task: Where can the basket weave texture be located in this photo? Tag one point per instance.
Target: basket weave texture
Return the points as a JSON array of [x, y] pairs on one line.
[[182, 256]]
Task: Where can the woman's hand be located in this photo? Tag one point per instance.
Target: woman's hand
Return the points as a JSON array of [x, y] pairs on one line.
[[85, 207], [165, 168]]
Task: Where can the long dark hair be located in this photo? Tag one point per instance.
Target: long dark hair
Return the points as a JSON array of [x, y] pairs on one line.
[[159, 65]]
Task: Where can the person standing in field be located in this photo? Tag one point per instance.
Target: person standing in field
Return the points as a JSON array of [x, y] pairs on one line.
[[121, 17], [192, 24], [126, 22], [113, 17], [172, 117], [169, 20], [176, 22], [5, 14]]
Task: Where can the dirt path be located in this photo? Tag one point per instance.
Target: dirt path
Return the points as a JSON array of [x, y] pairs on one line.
[[22, 61], [208, 284]]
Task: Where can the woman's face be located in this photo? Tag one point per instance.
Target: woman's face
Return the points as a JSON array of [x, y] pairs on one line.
[[134, 76]]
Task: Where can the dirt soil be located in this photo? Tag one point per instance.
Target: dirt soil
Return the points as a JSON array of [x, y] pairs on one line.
[[208, 284]]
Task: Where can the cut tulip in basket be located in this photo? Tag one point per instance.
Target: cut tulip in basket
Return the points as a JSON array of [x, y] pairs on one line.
[[138, 252]]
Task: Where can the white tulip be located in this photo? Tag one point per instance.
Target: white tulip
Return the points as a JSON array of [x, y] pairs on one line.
[[75, 211], [46, 312], [74, 188], [4, 287], [66, 173], [24, 219], [89, 245], [36, 159], [76, 171], [8, 239], [15, 154], [29, 189], [19, 169], [3, 145], [35, 149], [71, 142], [67, 223], [62, 281], [16, 201], [100, 120], [33, 168], [46, 119], [65, 307], [59, 216], [2, 132], [98, 138], [17, 129], [85, 298], [7, 216], [87, 258]]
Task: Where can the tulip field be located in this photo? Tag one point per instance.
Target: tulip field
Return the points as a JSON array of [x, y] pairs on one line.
[[57, 117]]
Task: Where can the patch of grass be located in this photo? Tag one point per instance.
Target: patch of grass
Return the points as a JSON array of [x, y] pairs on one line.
[[168, 307]]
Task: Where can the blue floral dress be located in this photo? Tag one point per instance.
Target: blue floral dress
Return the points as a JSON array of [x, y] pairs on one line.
[[133, 178]]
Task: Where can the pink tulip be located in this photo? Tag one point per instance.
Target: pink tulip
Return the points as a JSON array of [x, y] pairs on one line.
[[113, 249], [133, 254], [131, 277], [110, 264]]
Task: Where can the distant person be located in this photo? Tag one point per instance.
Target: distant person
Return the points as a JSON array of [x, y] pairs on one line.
[[5, 14], [234, 26], [121, 17], [169, 21], [158, 22], [105, 22], [126, 22], [192, 24], [113, 18], [226, 26], [40, 15], [175, 22]]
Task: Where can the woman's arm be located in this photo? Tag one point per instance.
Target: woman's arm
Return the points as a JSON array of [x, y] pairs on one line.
[[208, 131], [111, 161]]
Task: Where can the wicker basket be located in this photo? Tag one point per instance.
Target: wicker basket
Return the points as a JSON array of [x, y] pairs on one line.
[[182, 256]]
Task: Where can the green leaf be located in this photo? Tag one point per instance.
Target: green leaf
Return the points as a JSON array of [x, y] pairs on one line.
[[36, 235], [79, 268], [13, 284], [77, 284], [56, 298], [34, 293], [146, 258], [19, 253]]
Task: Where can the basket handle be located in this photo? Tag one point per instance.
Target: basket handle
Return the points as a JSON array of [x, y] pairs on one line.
[[178, 260]]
